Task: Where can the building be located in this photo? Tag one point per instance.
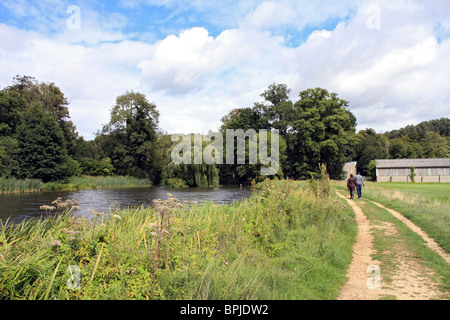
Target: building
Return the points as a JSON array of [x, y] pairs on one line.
[[350, 168], [426, 170]]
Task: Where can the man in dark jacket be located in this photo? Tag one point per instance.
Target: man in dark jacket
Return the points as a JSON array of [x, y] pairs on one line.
[[351, 185]]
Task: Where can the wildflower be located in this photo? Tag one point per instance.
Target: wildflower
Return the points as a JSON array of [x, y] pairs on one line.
[[96, 212], [47, 208], [55, 243], [57, 201], [117, 217]]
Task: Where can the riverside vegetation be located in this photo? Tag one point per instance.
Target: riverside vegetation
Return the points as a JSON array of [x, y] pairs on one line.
[[289, 240], [12, 185]]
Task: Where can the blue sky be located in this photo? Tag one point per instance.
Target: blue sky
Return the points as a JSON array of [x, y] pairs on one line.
[[197, 60]]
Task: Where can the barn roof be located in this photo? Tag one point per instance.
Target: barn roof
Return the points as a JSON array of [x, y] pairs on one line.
[[417, 163]]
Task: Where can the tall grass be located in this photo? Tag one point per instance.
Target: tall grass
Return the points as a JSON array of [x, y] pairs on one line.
[[13, 185], [282, 243]]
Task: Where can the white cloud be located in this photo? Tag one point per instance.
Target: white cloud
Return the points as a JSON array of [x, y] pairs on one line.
[[392, 76]]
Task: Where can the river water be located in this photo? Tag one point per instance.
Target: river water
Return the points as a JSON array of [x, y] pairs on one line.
[[25, 206]]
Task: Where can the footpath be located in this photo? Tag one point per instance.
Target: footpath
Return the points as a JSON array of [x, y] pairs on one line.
[[406, 277]]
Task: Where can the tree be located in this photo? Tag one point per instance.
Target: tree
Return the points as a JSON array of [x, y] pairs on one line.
[[277, 108], [131, 137], [41, 152], [54, 102], [245, 119], [370, 146], [192, 174], [12, 106], [435, 146], [8, 164], [48, 95], [404, 148], [323, 133], [317, 129]]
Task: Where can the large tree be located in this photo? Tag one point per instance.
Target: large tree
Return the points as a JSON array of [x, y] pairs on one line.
[[323, 133], [318, 128], [370, 146], [131, 137], [42, 150]]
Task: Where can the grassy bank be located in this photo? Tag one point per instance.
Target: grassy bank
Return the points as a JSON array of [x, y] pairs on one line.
[[424, 204], [12, 185], [287, 241]]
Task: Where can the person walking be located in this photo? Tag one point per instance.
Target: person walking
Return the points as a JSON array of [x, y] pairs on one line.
[[359, 184], [351, 185]]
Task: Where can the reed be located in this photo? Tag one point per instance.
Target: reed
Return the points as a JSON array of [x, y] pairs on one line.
[[12, 185]]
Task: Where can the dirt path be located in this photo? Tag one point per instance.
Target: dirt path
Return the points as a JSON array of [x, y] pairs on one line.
[[356, 287], [408, 279]]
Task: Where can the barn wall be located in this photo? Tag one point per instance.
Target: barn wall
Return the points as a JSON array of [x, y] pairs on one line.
[[422, 175]]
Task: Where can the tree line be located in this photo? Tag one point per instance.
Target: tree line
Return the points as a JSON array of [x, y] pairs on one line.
[[38, 140]]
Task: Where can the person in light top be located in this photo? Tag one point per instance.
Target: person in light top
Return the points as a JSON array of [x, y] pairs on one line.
[[359, 184]]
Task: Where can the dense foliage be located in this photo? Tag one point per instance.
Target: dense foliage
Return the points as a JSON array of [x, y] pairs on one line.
[[38, 140]]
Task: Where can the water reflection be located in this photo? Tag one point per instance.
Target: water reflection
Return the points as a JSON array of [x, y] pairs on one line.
[[23, 206]]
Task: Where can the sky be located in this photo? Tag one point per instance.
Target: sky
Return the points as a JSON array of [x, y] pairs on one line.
[[199, 59]]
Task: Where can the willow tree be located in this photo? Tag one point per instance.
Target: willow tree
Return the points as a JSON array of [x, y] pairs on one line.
[[191, 169]]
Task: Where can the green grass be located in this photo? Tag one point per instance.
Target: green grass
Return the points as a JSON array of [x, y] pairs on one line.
[[285, 242], [431, 191], [19, 186], [424, 204], [13, 185], [88, 182]]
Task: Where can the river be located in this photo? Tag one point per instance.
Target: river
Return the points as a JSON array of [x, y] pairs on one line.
[[18, 207]]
